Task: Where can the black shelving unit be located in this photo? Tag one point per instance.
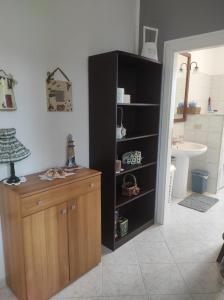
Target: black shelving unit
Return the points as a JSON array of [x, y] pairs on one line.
[[141, 78]]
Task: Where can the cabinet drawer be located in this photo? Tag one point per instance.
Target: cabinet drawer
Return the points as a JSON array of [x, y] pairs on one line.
[[43, 200]]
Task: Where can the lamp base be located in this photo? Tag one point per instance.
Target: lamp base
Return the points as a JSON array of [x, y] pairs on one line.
[[13, 178]]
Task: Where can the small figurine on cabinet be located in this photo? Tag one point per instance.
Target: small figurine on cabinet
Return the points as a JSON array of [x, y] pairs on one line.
[[70, 163]]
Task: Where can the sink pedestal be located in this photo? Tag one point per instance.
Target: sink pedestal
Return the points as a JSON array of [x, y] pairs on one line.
[[181, 177], [183, 151]]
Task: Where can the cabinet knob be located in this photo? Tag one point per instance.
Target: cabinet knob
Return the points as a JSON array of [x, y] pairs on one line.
[[39, 202], [73, 206], [63, 211], [91, 184]]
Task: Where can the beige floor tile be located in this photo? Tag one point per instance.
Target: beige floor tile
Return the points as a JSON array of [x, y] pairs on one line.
[[89, 285], [153, 252], [171, 297], [6, 294], [201, 277], [152, 234], [208, 297], [163, 279], [123, 256], [121, 280], [195, 251]]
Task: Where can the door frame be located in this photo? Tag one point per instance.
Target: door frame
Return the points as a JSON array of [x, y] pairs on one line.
[[171, 48]]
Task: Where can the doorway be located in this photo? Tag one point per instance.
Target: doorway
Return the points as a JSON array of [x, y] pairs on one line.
[[171, 50]]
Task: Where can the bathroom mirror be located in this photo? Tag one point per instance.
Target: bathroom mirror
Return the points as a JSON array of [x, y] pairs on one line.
[[182, 86]]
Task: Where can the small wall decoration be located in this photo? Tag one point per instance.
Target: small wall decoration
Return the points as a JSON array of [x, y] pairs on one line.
[[149, 49], [59, 92], [7, 98]]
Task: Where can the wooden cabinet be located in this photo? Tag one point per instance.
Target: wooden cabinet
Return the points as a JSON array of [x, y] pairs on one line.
[[51, 232], [46, 252], [84, 233]]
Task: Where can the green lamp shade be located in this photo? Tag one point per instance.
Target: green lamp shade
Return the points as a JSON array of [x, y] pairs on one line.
[[11, 150]]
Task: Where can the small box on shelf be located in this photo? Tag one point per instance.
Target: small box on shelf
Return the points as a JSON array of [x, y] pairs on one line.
[[122, 226]]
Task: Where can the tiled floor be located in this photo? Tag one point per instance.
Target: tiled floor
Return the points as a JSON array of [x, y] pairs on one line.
[[176, 261]]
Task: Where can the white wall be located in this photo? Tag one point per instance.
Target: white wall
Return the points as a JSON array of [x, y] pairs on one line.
[[38, 36], [200, 90], [209, 80], [210, 61], [217, 92]]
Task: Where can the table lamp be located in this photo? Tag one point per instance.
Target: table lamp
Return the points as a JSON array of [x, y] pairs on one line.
[[11, 151]]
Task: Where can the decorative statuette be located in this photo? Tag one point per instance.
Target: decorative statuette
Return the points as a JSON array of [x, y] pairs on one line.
[[70, 163]]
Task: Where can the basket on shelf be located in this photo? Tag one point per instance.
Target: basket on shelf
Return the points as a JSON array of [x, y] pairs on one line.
[[130, 188]]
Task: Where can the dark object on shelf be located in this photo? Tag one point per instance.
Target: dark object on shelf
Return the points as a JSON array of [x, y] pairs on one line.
[[118, 166], [116, 224], [123, 226], [130, 188], [121, 131], [132, 158], [11, 151], [141, 78]]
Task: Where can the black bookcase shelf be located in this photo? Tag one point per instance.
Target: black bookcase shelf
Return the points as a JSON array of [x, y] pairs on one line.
[[122, 200], [134, 230], [136, 137], [134, 168], [141, 78], [138, 104]]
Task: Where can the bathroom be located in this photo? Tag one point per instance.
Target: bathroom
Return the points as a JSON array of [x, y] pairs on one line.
[[198, 118]]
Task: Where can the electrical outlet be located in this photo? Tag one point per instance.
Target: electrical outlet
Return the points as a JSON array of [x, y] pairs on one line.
[[197, 126]]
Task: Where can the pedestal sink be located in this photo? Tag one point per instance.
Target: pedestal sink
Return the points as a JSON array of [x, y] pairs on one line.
[[183, 151]]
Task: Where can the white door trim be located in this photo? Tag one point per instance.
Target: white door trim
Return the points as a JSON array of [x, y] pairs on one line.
[[207, 40]]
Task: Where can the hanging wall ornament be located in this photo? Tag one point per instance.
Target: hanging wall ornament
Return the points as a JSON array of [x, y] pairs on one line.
[[7, 98], [59, 92]]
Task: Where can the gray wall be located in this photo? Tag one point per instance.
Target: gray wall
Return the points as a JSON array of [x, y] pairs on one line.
[[178, 18]]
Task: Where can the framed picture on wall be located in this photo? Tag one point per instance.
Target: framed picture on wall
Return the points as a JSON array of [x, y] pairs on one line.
[[7, 98], [59, 93]]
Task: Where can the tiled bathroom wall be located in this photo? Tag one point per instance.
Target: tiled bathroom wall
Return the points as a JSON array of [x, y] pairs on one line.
[[207, 130], [178, 130], [217, 92], [200, 89]]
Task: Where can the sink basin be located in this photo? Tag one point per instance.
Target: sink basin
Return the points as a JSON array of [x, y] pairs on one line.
[[188, 149], [183, 151]]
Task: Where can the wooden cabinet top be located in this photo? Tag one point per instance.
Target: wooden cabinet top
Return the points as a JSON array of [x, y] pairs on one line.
[[35, 185]]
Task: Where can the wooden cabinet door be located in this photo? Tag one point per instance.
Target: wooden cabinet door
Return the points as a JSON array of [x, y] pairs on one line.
[[46, 252], [84, 227]]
